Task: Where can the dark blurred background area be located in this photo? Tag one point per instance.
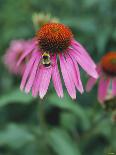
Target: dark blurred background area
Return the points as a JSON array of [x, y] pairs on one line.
[[58, 126]]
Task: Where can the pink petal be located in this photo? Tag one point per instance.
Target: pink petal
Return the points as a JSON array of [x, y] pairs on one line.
[[56, 79], [67, 77], [114, 87], [99, 69], [103, 88], [33, 74], [45, 80], [91, 82], [27, 71], [84, 62], [75, 73], [36, 85], [82, 51], [27, 52]]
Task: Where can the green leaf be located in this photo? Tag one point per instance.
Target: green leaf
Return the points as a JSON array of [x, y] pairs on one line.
[[62, 143], [15, 136], [15, 96], [85, 24], [102, 38], [114, 34], [69, 104], [66, 118], [90, 3]]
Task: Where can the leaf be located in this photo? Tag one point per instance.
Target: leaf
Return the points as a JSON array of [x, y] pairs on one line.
[[90, 3], [15, 136], [102, 38], [66, 118], [15, 96], [114, 34], [62, 143], [69, 104], [85, 24]]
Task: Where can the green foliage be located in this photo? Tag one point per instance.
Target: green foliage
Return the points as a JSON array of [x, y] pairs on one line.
[[67, 104], [15, 96], [15, 136], [62, 143]]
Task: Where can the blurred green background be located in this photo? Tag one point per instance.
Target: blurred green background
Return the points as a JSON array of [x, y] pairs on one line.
[[56, 127]]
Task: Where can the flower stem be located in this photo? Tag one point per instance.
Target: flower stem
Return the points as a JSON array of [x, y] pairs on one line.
[[41, 112], [43, 127]]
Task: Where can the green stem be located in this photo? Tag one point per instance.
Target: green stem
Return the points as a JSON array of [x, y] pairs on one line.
[[43, 127], [41, 112]]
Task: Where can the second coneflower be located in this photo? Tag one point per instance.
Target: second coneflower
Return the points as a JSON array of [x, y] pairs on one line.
[[13, 54], [107, 72], [55, 41]]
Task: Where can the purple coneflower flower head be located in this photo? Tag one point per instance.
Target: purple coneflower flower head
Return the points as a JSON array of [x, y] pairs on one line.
[[13, 54], [55, 42], [107, 72]]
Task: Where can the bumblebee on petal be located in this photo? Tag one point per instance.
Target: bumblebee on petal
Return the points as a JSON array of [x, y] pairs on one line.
[[46, 59]]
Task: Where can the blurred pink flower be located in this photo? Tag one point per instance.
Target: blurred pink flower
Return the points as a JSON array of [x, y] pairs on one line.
[[107, 72], [55, 41], [13, 54]]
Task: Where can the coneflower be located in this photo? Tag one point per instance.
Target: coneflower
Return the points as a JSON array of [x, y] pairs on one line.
[[13, 54], [107, 72], [55, 41]]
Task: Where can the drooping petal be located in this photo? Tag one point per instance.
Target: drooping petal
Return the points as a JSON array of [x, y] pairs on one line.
[[56, 79], [99, 69], [90, 83], [27, 71], [13, 54], [84, 63], [73, 67], [26, 53], [114, 87], [103, 88], [32, 74], [82, 51], [36, 85], [45, 81], [67, 77], [80, 86]]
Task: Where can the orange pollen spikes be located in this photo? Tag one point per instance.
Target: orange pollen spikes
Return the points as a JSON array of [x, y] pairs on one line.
[[108, 63], [54, 37]]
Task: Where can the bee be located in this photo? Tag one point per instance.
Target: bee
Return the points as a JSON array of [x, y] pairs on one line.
[[46, 59]]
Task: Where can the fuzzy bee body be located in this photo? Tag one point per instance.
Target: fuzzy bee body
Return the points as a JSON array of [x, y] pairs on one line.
[[46, 59]]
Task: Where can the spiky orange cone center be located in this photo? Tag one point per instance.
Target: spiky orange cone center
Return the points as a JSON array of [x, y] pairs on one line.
[[108, 63], [54, 37]]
